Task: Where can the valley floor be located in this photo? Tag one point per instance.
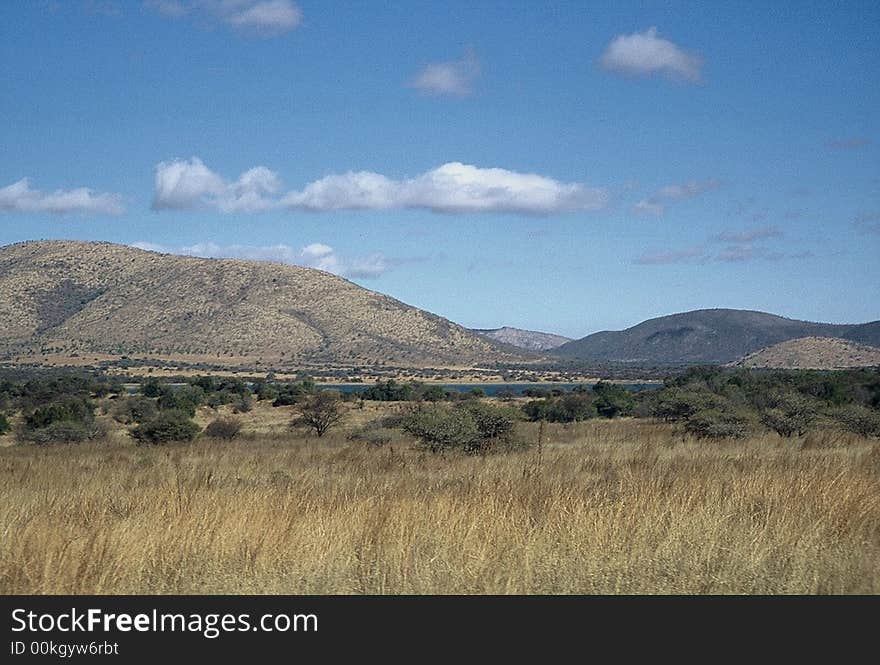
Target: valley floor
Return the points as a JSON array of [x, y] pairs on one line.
[[604, 507]]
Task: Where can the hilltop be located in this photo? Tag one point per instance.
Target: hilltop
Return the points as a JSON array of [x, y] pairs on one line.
[[706, 336], [72, 298], [531, 340], [813, 353]]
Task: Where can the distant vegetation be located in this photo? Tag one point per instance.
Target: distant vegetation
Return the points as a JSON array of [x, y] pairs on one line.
[[705, 402]]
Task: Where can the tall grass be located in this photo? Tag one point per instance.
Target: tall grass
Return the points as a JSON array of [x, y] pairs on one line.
[[621, 507]]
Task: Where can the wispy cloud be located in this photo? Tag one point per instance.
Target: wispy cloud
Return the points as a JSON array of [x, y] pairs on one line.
[[850, 143], [19, 197], [670, 256], [748, 235], [868, 222], [451, 188], [656, 203], [455, 78], [316, 255], [646, 53], [263, 18], [740, 246]]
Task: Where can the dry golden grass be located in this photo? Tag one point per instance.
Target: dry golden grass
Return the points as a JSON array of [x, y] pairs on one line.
[[621, 507]]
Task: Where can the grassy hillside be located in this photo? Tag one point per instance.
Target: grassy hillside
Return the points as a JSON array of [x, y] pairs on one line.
[[72, 298], [814, 353]]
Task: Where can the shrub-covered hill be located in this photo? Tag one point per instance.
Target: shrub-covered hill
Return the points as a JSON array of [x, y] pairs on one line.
[[79, 297]]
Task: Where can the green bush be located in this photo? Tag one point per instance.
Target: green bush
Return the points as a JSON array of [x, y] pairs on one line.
[[165, 427], [4, 424], [714, 424], [136, 409], [472, 426], [223, 428], [72, 409], [569, 408]]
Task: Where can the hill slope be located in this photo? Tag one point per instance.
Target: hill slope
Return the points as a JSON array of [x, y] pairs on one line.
[[706, 336], [77, 297], [531, 340], [813, 353]]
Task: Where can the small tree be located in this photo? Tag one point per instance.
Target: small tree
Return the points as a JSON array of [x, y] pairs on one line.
[[320, 411], [792, 415], [859, 420]]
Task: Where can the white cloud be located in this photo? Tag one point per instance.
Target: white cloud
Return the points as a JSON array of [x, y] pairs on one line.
[[450, 188], [264, 18], [185, 184], [454, 78], [19, 197], [656, 203], [646, 53], [317, 255]]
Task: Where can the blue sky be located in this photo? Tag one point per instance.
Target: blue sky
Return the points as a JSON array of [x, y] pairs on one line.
[[561, 166]]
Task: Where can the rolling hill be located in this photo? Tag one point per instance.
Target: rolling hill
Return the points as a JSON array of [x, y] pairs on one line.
[[813, 353], [69, 298], [706, 336], [531, 340]]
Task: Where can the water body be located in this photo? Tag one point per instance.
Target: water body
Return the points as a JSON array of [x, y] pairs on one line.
[[492, 389], [489, 389]]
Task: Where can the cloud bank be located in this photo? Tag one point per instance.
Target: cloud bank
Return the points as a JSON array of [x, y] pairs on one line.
[[317, 255], [646, 53], [454, 78], [19, 197], [451, 188]]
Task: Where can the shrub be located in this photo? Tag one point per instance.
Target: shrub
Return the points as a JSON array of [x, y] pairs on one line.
[[64, 431], [166, 426], [135, 409], [223, 428], [472, 426], [714, 424], [572, 407], [73, 409], [183, 398], [4, 424], [440, 428], [859, 420]]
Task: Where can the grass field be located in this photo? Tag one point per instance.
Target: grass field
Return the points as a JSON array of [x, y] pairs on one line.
[[602, 507]]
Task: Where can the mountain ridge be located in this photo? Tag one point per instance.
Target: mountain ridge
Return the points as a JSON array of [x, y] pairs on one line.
[[706, 336], [530, 340]]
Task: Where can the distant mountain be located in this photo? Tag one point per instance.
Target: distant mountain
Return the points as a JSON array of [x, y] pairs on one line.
[[706, 336], [79, 297], [530, 340], [813, 353]]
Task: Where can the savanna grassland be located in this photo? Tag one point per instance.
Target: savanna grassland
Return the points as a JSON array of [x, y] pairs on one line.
[[623, 506]]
